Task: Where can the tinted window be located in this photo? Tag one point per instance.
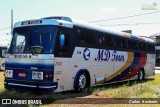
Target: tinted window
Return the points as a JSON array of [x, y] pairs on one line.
[[151, 48], [120, 43], [105, 41], [86, 37], [142, 47], [63, 45], [133, 45]]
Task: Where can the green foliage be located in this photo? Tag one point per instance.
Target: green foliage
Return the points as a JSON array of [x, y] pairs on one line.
[[121, 92], [155, 80], [148, 88], [146, 95], [139, 89]]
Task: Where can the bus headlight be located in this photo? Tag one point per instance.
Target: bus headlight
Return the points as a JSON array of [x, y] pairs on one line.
[[37, 75], [9, 73]]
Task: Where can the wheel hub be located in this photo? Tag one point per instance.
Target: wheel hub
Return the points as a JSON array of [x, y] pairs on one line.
[[82, 81]]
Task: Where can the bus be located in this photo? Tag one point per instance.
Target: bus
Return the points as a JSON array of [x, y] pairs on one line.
[[3, 51], [61, 53]]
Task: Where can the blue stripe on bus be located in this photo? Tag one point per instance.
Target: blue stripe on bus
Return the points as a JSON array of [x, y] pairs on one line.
[[134, 36], [130, 68], [28, 66]]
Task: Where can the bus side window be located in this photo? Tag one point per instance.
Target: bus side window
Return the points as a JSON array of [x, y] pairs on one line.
[[120, 43], [142, 47], [105, 41], [151, 48], [133, 45], [86, 38], [63, 45]]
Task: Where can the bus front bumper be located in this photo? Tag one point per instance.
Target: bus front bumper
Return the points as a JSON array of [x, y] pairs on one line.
[[30, 85]]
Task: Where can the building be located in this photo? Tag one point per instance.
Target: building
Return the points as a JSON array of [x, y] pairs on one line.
[[157, 47]]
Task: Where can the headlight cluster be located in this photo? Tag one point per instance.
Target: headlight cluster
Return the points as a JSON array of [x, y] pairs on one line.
[[9, 73], [37, 75]]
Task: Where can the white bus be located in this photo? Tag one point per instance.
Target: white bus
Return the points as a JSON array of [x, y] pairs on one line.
[[3, 51], [59, 54]]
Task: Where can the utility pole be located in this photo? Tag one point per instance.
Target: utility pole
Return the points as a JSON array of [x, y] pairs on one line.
[[11, 21]]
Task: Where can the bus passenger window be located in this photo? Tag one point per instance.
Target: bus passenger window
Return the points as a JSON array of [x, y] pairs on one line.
[[151, 48], [120, 43], [142, 47], [100, 41], [86, 37], [109, 41], [133, 45], [105, 41]]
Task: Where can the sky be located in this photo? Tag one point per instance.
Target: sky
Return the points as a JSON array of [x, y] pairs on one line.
[[85, 10]]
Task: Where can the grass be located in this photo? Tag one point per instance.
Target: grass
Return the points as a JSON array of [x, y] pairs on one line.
[[156, 80], [149, 88], [1, 81]]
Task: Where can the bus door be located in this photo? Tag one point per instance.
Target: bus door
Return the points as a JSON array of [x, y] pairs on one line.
[[62, 69]]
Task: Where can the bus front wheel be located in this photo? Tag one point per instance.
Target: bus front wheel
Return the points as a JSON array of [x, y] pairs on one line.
[[81, 82]]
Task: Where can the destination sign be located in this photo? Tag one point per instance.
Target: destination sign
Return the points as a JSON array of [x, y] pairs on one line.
[[31, 22]]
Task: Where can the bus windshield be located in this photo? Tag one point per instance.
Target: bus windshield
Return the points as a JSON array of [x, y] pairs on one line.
[[33, 40]]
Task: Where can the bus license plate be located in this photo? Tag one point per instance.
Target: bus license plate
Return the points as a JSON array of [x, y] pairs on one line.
[[22, 74]]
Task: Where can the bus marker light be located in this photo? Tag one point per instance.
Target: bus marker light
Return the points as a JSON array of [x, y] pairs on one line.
[[50, 75], [75, 66], [46, 76]]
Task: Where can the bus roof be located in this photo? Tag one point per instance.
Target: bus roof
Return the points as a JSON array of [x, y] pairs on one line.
[[70, 22]]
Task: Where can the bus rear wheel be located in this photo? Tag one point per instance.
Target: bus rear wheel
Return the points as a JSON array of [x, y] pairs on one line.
[[141, 75], [81, 82]]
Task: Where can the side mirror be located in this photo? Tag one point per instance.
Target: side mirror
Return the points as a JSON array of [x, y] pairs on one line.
[[61, 40]]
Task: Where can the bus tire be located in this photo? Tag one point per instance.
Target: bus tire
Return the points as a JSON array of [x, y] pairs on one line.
[[81, 82], [141, 75]]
